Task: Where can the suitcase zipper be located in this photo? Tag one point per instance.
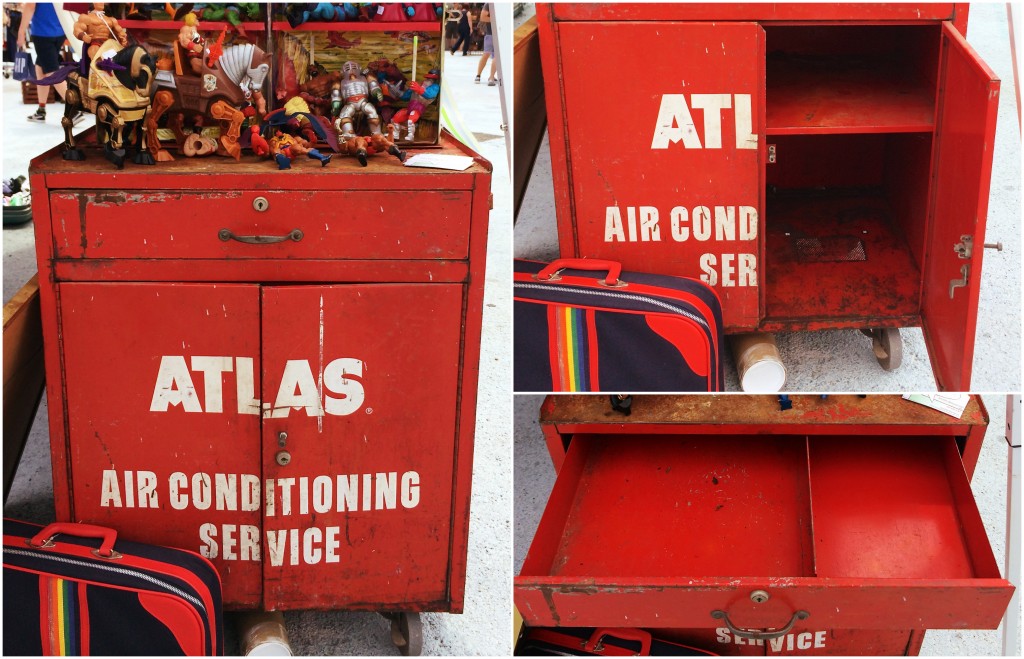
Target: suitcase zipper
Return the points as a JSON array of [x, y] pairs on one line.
[[622, 296], [110, 568]]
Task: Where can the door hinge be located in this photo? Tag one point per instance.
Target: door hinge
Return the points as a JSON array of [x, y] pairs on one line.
[[965, 248], [959, 283]]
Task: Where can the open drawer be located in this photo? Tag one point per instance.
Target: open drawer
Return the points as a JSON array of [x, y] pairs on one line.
[[758, 532]]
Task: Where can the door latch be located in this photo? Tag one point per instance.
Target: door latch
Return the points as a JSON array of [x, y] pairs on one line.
[[965, 248], [772, 157], [959, 283]]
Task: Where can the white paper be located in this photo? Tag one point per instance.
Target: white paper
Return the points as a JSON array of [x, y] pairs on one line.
[[951, 404], [439, 161]]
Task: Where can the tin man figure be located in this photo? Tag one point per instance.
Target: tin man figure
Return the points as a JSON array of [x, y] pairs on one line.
[[355, 90]]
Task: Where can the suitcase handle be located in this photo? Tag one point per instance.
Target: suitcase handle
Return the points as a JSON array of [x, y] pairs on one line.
[[44, 538], [613, 267], [596, 641]]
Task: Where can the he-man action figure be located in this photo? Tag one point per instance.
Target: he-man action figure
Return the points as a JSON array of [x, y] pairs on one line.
[[192, 42], [95, 27]]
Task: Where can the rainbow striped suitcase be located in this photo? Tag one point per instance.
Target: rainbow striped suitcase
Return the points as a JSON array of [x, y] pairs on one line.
[[584, 325], [74, 589]]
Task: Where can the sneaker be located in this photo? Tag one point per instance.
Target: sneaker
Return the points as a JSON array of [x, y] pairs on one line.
[[492, 82], [477, 80], [39, 116]]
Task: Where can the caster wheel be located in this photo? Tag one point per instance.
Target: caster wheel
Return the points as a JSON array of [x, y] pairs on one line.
[[888, 347], [407, 633]]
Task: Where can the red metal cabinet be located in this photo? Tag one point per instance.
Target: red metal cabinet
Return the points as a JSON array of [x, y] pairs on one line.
[[822, 166], [848, 523], [301, 412]]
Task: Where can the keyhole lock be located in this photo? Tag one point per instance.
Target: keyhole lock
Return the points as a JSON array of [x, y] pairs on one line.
[[260, 204], [759, 597], [283, 458]]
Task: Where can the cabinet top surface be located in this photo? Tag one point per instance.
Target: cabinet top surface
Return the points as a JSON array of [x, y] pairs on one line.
[[753, 11], [750, 409], [251, 172]]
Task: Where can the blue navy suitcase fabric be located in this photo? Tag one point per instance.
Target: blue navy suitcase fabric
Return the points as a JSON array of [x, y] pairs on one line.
[[576, 331], [73, 589], [589, 641]]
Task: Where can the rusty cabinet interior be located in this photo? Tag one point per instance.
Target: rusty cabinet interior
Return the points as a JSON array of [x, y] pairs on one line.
[[711, 516]]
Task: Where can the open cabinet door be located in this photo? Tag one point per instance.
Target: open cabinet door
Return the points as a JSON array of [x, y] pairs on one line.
[[965, 136]]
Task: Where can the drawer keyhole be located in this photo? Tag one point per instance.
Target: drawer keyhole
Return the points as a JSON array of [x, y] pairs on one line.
[[759, 597], [260, 204], [283, 458]]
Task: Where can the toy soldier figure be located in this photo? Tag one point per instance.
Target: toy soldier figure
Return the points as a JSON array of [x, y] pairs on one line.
[[355, 90], [419, 97], [286, 147], [192, 42], [95, 27]]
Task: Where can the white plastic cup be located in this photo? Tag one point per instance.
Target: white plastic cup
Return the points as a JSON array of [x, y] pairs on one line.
[[263, 635], [758, 363]]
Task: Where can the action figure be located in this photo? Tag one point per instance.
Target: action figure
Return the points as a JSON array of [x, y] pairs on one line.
[[361, 147], [199, 145], [259, 143], [192, 42], [234, 13], [95, 27], [286, 147], [419, 97], [355, 90]]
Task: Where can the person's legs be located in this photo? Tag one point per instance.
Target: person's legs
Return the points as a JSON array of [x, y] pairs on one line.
[[491, 80], [47, 61], [488, 53], [466, 40], [480, 66], [463, 38]]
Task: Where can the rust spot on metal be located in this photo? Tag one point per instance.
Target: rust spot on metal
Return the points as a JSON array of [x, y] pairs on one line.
[[551, 607], [109, 198], [83, 202]]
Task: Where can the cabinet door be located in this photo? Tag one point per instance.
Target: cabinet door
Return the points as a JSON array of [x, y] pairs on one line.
[[360, 387], [163, 430], [968, 102], [662, 126]]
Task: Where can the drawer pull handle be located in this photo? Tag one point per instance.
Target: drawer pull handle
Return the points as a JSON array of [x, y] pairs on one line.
[[718, 614], [227, 234]]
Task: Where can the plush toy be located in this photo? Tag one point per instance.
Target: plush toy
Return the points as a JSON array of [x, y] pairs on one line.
[[423, 11], [298, 13], [233, 13], [389, 12]]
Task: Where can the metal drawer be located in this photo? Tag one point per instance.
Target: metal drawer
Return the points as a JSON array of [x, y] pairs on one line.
[[407, 224], [877, 532]]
